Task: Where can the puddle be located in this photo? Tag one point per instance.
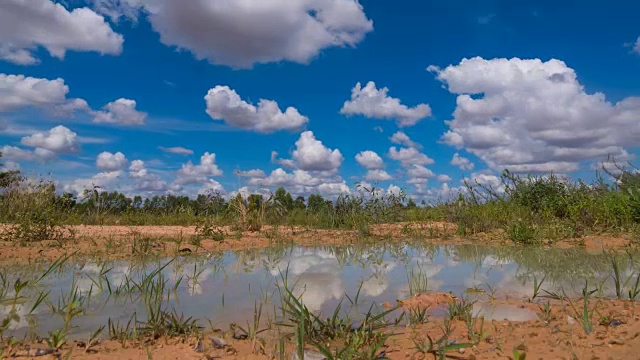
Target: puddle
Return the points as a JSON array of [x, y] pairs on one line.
[[227, 287], [509, 312]]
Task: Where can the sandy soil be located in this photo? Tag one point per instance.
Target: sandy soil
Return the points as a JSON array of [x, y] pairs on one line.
[[616, 326], [118, 241]]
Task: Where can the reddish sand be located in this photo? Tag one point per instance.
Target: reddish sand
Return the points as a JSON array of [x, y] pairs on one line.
[[117, 241], [616, 326]]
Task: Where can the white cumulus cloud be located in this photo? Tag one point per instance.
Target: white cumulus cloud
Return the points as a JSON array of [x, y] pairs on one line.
[[444, 178], [200, 173], [409, 156], [301, 182], [223, 103], [311, 154], [243, 33], [111, 162], [59, 140], [19, 91], [377, 175], [26, 25], [122, 112], [403, 139], [103, 180], [462, 162], [530, 115], [419, 174], [137, 169], [370, 160], [376, 103]]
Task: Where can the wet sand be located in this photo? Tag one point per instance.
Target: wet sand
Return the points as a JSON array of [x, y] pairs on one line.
[[116, 242], [615, 335]]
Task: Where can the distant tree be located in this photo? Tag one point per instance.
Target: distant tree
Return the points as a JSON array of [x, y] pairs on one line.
[[137, 202], [284, 198], [315, 203], [299, 203], [411, 204], [255, 201], [8, 177]]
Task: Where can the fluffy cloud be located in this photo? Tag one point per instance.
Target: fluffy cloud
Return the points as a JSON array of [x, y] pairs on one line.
[[27, 24], [409, 156], [176, 150], [223, 103], [280, 177], [137, 169], [370, 160], [122, 112], [212, 187], [143, 179], [377, 175], [198, 174], [301, 182], [288, 163], [636, 46], [419, 174], [462, 162], [18, 91], [311, 155], [444, 178], [107, 161], [242, 33], [59, 140], [486, 179], [375, 103], [314, 167], [15, 154], [103, 180], [394, 190], [534, 116], [403, 139], [439, 194]]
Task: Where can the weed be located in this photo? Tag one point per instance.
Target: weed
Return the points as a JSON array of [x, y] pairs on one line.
[[93, 338], [441, 346], [475, 328], [519, 353], [461, 309], [545, 312], [418, 281], [417, 315], [584, 316], [536, 287], [57, 339]]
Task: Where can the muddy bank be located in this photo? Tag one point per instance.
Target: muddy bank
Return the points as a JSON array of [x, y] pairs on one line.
[[129, 241], [556, 334]]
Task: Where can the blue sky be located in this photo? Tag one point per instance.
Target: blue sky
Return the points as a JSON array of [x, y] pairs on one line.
[[545, 87]]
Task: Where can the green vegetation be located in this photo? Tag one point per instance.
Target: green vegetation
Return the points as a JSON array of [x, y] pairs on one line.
[[527, 209]]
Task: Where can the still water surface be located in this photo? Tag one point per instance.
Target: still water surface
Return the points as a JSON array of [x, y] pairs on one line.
[[225, 287]]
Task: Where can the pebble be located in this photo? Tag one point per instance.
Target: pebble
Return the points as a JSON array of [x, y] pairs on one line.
[[616, 342], [217, 342], [570, 320], [309, 355], [615, 323]]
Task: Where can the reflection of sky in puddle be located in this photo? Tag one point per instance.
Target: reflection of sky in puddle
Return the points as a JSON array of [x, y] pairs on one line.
[[226, 288]]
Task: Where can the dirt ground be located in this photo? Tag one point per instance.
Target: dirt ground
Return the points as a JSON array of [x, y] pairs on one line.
[[616, 326], [127, 241]]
